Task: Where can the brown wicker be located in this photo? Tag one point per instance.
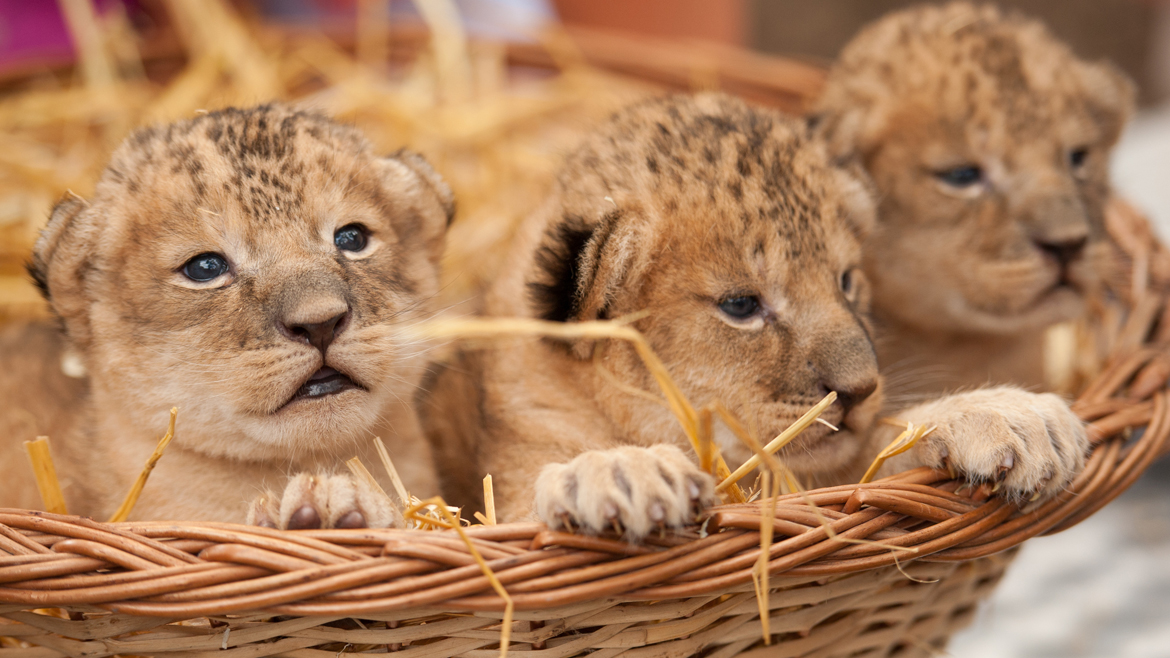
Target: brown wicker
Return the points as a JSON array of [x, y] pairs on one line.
[[195, 588]]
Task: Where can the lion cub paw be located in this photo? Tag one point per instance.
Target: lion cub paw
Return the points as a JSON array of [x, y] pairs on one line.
[[1029, 445], [325, 501], [631, 490]]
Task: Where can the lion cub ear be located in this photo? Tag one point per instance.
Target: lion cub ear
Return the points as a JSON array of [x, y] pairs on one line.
[[60, 261], [581, 267], [431, 185], [1111, 96], [858, 199], [839, 130]]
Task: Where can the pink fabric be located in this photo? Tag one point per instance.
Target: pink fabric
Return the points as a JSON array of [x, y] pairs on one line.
[[33, 32]]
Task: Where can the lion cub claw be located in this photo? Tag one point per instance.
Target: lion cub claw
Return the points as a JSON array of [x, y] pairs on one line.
[[1028, 445], [630, 490], [310, 502]]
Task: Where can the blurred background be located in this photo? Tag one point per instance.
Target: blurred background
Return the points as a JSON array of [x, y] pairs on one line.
[[494, 92]]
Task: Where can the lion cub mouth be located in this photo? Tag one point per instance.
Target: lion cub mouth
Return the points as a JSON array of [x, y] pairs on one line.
[[325, 381]]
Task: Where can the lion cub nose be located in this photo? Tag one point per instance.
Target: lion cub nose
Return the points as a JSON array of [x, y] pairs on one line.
[[1064, 251], [315, 325], [851, 394]]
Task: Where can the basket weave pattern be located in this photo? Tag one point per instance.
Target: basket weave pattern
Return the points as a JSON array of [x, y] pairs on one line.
[[185, 589]]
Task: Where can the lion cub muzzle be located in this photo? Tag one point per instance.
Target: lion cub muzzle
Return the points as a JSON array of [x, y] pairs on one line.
[[312, 310], [1059, 229], [315, 322]]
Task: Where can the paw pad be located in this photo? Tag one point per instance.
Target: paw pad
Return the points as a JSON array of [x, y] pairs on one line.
[[1028, 446], [333, 501], [632, 491]]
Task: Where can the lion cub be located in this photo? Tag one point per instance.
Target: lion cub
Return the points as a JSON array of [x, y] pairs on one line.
[[252, 268], [732, 242], [988, 142]]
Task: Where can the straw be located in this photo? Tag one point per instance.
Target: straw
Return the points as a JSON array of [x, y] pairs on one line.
[[903, 442], [452, 523], [782, 439], [40, 455], [489, 500], [359, 471], [131, 499], [388, 464], [682, 409]]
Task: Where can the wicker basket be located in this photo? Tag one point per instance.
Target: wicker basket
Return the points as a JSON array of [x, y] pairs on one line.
[[220, 589], [74, 587], [194, 588]]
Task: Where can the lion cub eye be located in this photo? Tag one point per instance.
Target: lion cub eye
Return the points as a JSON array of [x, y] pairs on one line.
[[205, 267], [1077, 157], [740, 307], [351, 237], [961, 177], [850, 282]]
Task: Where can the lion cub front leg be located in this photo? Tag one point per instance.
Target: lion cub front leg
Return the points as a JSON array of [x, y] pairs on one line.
[[631, 490], [1029, 444], [325, 501]]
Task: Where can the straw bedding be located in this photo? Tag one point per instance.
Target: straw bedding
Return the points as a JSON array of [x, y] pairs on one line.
[[889, 568]]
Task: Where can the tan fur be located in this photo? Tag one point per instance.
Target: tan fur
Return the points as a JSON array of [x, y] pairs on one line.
[[963, 284], [670, 209], [267, 188]]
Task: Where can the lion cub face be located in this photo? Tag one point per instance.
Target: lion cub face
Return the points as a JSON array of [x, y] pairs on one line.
[[988, 142], [249, 267], [738, 241]]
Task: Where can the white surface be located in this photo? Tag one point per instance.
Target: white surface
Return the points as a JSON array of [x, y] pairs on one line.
[[1099, 590], [1141, 166]]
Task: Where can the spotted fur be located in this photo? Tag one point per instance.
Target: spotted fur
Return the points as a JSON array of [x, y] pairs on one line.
[[266, 187], [669, 209], [932, 88]]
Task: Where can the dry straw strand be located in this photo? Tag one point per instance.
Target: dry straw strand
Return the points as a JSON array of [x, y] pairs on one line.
[[489, 503], [449, 42], [489, 499], [453, 523], [86, 35], [774, 473], [686, 414], [903, 442], [770, 484], [359, 471], [782, 439], [388, 464], [131, 500], [40, 454]]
